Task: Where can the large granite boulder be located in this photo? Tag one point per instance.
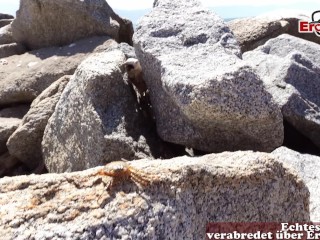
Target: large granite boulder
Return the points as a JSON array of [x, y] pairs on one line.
[[308, 168], [25, 142], [203, 95], [45, 23], [97, 119], [291, 71], [253, 32], [25, 76], [183, 196]]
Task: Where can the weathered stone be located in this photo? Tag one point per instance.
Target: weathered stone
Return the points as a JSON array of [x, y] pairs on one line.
[[308, 167], [7, 50], [185, 194], [6, 35], [203, 95], [25, 142], [24, 77], [291, 71], [254, 32], [6, 16], [5, 22], [7, 127], [96, 119], [45, 23]]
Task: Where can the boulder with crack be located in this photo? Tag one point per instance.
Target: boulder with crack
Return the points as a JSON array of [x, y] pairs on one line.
[[25, 142], [203, 95], [291, 71], [184, 195], [24, 77], [97, 119], [45, 23]]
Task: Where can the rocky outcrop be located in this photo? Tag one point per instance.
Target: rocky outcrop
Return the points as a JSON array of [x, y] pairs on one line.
[[6, 35], [97, 119], [7, 127], [10, 49], [25, 142], [254, 32], [45, 23], [308, 168], [184, 195], [204, 96], [291, 70], [24, 77]]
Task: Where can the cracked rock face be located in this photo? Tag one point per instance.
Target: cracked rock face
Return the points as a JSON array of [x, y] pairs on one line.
[[203, 95], [25, 142], [97, 119], [185, 194], [290, 69]]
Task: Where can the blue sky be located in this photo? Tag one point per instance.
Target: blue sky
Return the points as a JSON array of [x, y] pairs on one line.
[[134, 9]]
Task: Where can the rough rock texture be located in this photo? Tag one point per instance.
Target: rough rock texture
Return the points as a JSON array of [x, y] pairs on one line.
[[45, 23], [24, 77], [291, 70], [254, 32], [204, 96], [6, 35], [308, 167], [185, 194], [10, 49], [25, 142], [6, 16], [7, 127], [96, 119]]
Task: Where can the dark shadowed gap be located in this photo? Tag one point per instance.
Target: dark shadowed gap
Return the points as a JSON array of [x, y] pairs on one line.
[[296, 141]]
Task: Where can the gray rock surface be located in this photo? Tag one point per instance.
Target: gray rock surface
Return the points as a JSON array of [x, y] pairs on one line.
[[308, 168], [45, 23], [25, 142], [5, 22], [6, 35], [291, 71], [24, 77], [253, 32], [203, 95], [7, 127], [7, 50], [184, 194], [96, 119]]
